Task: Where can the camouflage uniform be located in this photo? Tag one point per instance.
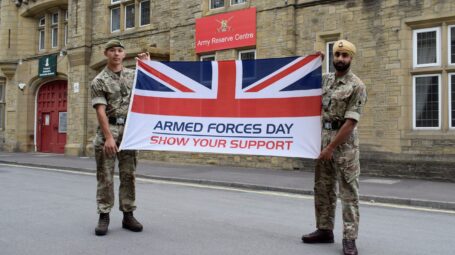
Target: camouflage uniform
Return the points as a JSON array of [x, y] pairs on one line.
[[114, 91], [342, 98]]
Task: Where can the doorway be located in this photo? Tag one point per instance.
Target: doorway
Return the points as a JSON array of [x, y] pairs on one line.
[[52, 117]]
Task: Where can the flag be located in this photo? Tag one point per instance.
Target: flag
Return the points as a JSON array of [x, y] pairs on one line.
[[257, 107]]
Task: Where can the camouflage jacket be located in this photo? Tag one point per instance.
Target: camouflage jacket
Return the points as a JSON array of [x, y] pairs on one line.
[[342, 97], [113, 90]]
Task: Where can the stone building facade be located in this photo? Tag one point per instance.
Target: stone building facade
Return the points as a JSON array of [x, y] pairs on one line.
[[406, 57]]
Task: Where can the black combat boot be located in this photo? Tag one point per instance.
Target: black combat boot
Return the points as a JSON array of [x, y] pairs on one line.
[[319, 236], [349, 247], [129, 222], [103, 223]]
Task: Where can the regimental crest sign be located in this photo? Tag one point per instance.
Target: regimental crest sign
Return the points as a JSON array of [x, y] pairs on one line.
[[224, 25], [47, 66]]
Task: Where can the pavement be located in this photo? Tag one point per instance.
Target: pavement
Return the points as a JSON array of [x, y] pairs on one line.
[[408, 192]]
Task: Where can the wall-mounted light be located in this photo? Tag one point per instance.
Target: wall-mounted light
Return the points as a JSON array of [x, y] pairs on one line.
[[21, 85], [62, 53], [20, 61]]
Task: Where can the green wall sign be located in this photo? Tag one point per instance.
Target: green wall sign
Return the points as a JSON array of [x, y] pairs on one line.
[[47, 66]]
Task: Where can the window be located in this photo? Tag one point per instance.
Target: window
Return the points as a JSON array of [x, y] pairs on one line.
[[65, 39], [129, 16], [41, 33], [216, 4], [247, 54], [249, 67], [42, 22], [233, 2], [427, 101], [115, 19], [41, 39], [49, 34], [207, 58], [329, 57], [452, 100], [54, 37], [55, 18], [451, 45], [2, 104], [144, 13], [206, 73], [426, 47], [54, 30], [433, 86]]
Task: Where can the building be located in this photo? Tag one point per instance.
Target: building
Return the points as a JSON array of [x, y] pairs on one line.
[[406, 57]]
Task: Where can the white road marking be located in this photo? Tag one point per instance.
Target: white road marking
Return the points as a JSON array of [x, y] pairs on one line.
[[380, 181]]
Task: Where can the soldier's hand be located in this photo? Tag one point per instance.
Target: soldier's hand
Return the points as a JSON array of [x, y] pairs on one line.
[[143, 56], [326, 153], [110, 147], [322, 54]]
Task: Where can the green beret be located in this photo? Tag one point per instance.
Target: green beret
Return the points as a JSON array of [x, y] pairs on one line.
[[113, 43]]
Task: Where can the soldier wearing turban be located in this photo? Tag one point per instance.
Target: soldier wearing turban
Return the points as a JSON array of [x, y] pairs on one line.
[[343, 99]]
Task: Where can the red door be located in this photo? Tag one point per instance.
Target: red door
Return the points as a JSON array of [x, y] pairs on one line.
[[51, 113]]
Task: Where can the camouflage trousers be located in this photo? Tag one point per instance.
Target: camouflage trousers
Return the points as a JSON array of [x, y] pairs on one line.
[[105, 165], [343, 169]]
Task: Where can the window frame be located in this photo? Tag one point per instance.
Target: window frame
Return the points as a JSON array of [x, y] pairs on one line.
[[41, 38], [210, 5], [2, 92], [42, 33], [450, 99], [125, 17], [2, 116], [135, 7], [54, 37], [245, 51], [449, 48], [438, 46], [44, 21], [329, 56], [232, 4], [65, 28], [140, 13], [414, 120], [202, 57], [55, 14], [119, 17], [65, 35], [54, 29], [2, 105]]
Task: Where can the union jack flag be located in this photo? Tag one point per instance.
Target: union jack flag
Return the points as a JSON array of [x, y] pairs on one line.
[[263, 88], [259, 107]]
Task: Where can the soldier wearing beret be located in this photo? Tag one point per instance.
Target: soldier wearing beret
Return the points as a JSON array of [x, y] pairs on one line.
[[110, 92], [343, 98]]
